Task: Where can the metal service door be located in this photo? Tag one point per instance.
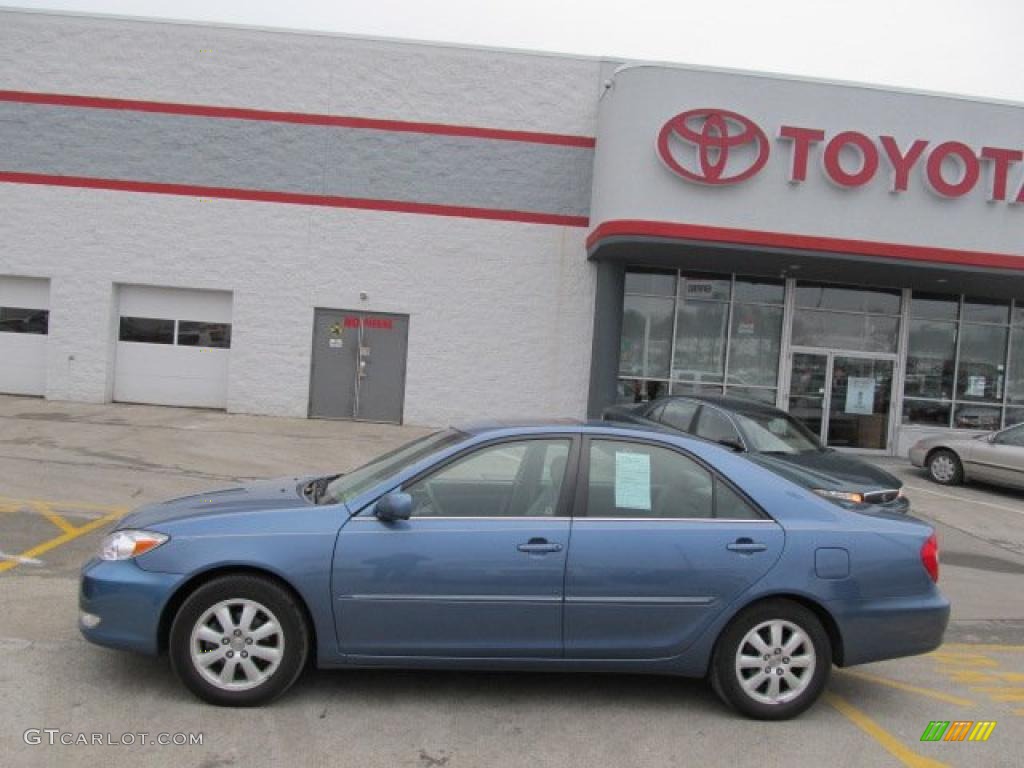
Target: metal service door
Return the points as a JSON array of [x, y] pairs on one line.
[[358, 368], [382, 350]]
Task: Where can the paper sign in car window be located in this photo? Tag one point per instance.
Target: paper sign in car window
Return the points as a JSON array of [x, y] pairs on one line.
[[632, 481]]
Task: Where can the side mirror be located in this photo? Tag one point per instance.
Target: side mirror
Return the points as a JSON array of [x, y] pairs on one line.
[[394, 506], [732, 445]]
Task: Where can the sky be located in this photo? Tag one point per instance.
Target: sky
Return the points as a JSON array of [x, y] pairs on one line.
[[970, 47]]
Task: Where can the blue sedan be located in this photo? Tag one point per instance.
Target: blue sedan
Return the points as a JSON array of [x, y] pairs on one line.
[[588, 547]]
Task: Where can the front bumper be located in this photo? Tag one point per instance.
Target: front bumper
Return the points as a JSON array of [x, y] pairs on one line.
[[127, 601], [917, 455], [898, 506], [888, 629]]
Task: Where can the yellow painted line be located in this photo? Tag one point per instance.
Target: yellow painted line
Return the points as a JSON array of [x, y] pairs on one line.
[[928, 692], [64, 538], [22, 503], [973, 660], [970, 676], [1007, 697], [46, 511], [961, 647], [886, 740]]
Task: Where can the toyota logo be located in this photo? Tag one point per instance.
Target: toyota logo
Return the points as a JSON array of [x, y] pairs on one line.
[[713, 146]]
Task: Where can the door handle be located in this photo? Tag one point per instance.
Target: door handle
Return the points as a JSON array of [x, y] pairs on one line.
[[539, 547], [746, 546]]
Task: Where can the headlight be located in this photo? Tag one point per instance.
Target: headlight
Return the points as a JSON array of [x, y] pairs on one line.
[[854, 498], [124, 545]]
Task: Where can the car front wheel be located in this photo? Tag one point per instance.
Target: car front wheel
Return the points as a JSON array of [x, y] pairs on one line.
[[773, 661], [239, 640], [944, 468]]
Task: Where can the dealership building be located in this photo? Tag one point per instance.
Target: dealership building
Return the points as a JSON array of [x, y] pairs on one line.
[[310, 225]]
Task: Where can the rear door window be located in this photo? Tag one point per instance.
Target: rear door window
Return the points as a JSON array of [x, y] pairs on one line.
[[678, 414], [715, 426], [628, 479]]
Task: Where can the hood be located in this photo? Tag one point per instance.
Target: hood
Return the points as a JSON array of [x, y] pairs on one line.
[[279, 493], [830, 470]]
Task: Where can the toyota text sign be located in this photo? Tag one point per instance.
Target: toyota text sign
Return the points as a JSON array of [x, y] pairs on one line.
[[719, 147]]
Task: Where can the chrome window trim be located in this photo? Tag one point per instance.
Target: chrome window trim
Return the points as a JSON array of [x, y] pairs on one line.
[[566, 518], [674, 520]]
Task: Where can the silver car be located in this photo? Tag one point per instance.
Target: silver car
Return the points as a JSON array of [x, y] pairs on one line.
[[997, 457]]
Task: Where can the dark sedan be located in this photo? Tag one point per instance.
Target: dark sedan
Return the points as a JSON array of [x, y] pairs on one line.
[[776, 441]]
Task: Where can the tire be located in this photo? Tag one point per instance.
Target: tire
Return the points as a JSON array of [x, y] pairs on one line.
[[774, 695], [267, 641], [944, 467]]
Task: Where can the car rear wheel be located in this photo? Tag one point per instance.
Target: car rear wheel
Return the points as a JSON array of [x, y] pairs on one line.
[[239, 640], [773, 660], [944, 468]]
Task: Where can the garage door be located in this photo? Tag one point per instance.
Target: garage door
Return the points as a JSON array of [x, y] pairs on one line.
[[24, 326], [173, 346]]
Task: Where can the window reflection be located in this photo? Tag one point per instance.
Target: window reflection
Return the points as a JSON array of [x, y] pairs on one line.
[[23, 320], [193, 334], [646, 336], [147, 330]]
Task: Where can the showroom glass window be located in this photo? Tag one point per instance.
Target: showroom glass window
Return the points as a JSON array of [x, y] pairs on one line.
[[838, 317], [722, 335], [957, 371]]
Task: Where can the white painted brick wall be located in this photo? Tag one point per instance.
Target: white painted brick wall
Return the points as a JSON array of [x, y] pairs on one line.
[[501, 313], [291, 71]]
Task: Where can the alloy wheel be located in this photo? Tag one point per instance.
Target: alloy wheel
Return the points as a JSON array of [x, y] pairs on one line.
[[775, 662], [237, 644], [942, 468]]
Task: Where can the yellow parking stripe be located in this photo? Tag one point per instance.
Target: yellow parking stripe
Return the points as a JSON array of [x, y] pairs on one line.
[[888, 742], [953, 648], [928, 692], [64, 538], [23, 503], [1007, 697], [46, 511]]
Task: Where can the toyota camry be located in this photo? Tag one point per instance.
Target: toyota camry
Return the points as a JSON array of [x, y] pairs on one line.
[[571, 547]]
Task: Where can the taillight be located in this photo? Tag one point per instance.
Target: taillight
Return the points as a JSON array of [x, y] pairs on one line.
[[930, 557]]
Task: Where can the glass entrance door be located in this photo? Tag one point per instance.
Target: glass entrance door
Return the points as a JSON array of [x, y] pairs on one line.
[[858, 413], [843, 398], [808, 389]]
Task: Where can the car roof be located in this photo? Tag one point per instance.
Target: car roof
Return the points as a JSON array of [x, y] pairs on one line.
[[728, 403], [525, 426]]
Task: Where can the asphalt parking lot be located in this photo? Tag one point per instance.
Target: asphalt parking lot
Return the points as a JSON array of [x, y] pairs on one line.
[[68, 471]]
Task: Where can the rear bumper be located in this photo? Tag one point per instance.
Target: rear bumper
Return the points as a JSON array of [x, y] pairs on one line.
[[888, 629], [121, 604]]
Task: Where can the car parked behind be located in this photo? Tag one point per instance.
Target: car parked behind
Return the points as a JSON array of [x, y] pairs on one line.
[[775, 440], [997, 457]]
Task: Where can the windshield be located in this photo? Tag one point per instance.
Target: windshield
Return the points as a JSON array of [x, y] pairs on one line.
[[776, 432], [358, 481]]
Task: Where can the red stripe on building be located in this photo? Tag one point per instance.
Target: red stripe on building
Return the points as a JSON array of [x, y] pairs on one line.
[[237, 113], [626, 228], [331, 201]]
